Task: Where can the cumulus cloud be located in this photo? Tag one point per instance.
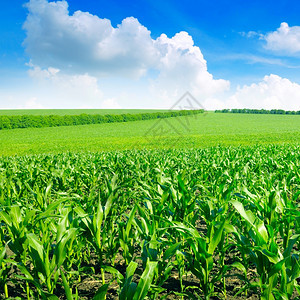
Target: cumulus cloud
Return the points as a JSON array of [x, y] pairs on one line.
[[272, 92], [38, 73], [80, 60], [54, 88], [182, 67], [285, 40], [83, 43]]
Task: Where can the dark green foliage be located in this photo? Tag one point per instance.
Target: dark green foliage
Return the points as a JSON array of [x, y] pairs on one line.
[[37, 121], [259, 111]]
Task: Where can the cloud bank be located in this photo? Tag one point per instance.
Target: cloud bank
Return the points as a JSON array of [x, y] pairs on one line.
[[80, 61], [272, 92], [83, 43]]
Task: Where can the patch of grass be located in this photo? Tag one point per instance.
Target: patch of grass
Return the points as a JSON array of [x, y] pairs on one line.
[[182, 132]]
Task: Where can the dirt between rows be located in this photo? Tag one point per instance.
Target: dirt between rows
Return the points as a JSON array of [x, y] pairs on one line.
[[89, 285]]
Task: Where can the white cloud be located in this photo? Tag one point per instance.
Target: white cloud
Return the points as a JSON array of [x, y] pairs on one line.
[[50, 88], [285, 40], [82, 61], [15, 99], [272, 92], [65, 90], [32, 103], [110, 103], [182, 68], [83, 43], [250, 34], [38, 73]]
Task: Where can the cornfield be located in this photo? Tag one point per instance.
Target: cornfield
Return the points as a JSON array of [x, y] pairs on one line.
[[217, 223]]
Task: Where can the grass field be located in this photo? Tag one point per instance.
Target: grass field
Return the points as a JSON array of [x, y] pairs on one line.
[[206, 130], [198, 207], [63, 112]]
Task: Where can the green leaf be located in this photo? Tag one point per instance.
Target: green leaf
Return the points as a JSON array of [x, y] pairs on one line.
[[130, 220], [131, 290], [68, 291], [50, 208], [248, 216], [171, 250], [101, 293], [5, 217], [240, 267], [36, 245], [114, 271], [261, 229], [131, 269], [181, 227], [52, 297], [276, 268], [60, 249], [108, 205], [216, 239], [230, 228], [294, 239], [128, 284], [97, 222], [2, 255], [145, 281]]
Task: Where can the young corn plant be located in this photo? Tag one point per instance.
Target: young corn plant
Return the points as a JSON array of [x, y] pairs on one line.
[[5, 267], [47, 257], [273, 266], [152, 232], [162, 209], [99, 225], [16, 224], [127, 236], [131, 290], [201, 256]]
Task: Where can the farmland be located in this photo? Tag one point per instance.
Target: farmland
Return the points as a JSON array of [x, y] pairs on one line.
[[203, 131], [208, 211]]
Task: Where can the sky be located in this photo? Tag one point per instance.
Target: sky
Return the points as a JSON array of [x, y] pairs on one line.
[[147, 54]]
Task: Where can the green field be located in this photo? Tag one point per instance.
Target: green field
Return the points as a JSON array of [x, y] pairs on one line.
[[63, 112], [201, 131], [217, 223], [196, 207]]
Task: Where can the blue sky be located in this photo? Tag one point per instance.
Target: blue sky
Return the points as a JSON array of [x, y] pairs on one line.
[[140, 54]]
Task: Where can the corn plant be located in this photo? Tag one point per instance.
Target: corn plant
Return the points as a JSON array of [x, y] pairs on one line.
[[152, 218]]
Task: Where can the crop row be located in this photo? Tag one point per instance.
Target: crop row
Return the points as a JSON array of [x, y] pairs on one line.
[[194, 224]]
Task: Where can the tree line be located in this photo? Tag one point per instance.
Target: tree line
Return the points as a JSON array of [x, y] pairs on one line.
[[38, 121], [259, 111]]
